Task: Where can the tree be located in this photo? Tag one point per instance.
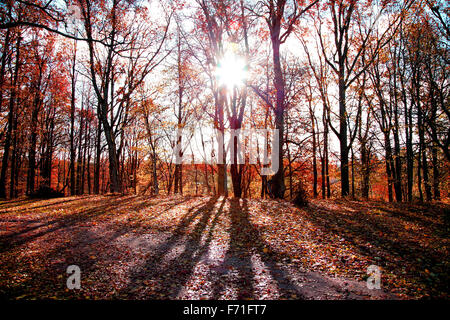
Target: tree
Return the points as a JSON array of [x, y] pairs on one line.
[[352, 28], [11, 117], [123, 40], [281, 24]]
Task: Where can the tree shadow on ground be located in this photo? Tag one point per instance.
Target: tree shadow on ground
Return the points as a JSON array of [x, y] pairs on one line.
[[15, 203], [29, 233], [96, 235], [246, 242], [47, 203], [71, 239], [169, 276], [379, 232], [422, 214]]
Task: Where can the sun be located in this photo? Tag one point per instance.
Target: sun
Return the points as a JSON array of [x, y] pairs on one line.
[[231, 71]]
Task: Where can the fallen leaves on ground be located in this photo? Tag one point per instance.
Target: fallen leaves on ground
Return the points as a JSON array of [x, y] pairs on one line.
[[174, 247]]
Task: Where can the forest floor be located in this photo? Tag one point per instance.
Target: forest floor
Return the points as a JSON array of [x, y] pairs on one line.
[[174, 247]]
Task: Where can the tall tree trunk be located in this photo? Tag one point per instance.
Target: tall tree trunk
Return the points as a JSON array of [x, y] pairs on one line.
[[14, 160], [409, 151], [72, 125], [423, 154], [11, 114], [79, 187], [365, 171], [46, 171], [314, 151], [97, 158], [345, 185], [397, 156], [3, 64], [85, 148], [32, 148], [113, 159], [37, 103], [291, 182], [436, 191], [388, 162], [155, 174], [222, 188], [419, 173], [325, 150], [89, 183], [353, 174], [278, 187]]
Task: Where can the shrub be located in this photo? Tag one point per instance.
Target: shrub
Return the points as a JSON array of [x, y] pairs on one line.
[[301, 196], [45, 192]]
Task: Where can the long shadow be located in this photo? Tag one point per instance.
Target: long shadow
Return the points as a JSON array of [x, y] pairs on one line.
[[194, 250], [359, 227], [423, 214], [374, 236], [25, 225], [6, 204], [91, 250], [80, 242], [26, 221], [13, 201], [245, 241], [10, 241], [144, 204], [55, 203], [169, 279]]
